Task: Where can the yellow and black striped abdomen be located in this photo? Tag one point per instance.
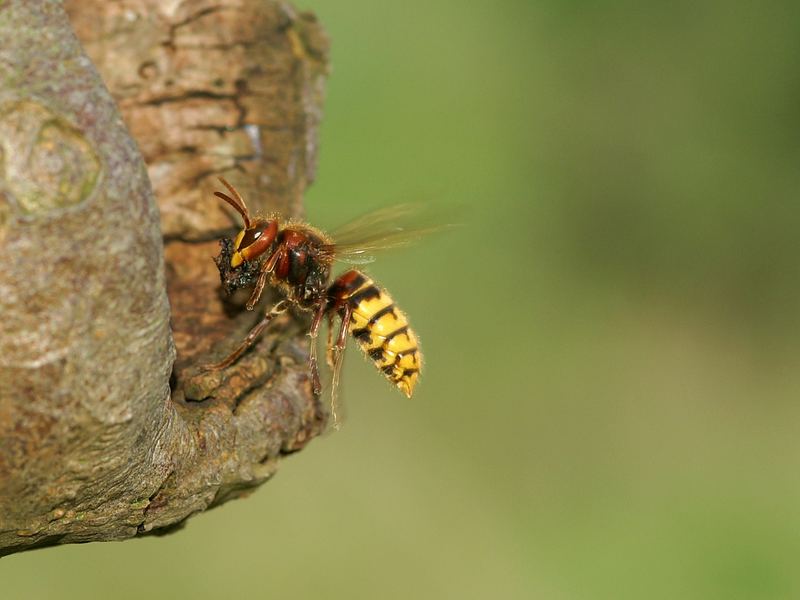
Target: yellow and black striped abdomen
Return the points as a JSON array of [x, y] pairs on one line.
[[384, 334]]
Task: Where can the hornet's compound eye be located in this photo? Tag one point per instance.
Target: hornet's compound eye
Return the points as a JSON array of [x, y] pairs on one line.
[[253, 242]]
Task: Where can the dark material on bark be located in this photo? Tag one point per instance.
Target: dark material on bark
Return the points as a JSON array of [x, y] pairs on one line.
[[102, 437]]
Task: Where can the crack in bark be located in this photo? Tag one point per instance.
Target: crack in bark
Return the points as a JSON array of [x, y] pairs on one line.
[[208, 236], [151, 501], [183, 97], [173, 27], [231, 46]]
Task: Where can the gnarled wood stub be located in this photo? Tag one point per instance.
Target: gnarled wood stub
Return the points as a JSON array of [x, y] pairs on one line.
[[107, 428]]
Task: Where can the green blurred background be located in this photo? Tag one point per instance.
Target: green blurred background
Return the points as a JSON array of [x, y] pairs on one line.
[[610, 406]]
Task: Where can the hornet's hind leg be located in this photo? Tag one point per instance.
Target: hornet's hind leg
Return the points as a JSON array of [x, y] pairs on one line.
[[336, 351], [312, 356], [329, 347]]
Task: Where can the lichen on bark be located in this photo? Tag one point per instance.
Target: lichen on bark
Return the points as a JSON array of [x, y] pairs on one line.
[[106, 429]]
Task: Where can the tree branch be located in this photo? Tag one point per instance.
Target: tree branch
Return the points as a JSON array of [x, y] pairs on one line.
[[102, 437]]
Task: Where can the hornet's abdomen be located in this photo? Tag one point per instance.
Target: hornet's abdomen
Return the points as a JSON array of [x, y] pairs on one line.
[[380, 328]]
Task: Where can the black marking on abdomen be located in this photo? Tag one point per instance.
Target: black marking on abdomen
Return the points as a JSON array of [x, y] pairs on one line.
[[369, 292], [403, 329], [362, 335], [384, 311], [351, 286]]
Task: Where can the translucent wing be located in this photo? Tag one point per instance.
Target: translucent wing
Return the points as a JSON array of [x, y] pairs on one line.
[[386, 228]]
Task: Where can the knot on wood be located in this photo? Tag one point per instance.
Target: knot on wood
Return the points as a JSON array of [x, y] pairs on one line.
[[45, 162]]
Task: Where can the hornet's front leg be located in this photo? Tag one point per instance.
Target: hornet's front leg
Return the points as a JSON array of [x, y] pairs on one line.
[[263, 274], [276, 310]]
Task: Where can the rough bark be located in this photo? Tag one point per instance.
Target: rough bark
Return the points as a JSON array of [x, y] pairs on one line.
[[107, 428]]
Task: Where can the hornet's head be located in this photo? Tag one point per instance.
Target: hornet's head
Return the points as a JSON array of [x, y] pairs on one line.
[[238, 260]]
